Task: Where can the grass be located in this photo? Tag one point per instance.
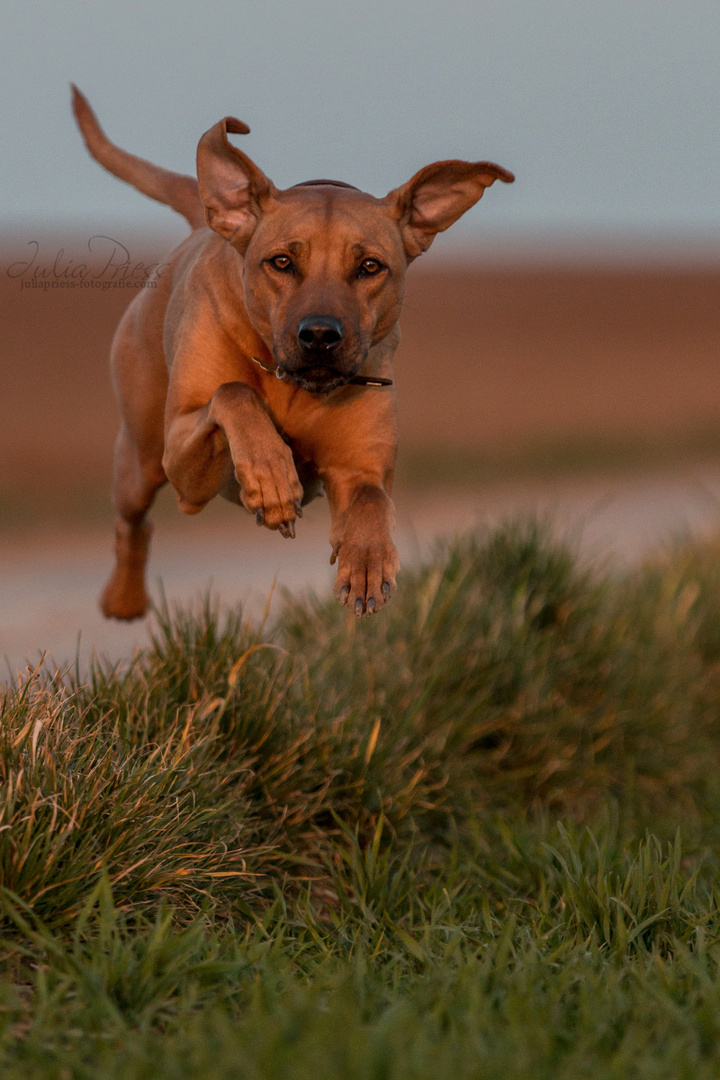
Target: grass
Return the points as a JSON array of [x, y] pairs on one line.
[[476, 836]]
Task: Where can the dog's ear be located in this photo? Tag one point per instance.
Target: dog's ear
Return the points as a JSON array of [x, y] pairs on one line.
[[232, 187], [437, 196]]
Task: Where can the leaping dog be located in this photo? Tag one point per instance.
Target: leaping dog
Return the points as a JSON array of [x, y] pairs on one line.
[[259, 367]]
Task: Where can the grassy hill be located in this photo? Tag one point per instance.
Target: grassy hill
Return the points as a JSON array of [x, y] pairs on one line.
[[475, 836]]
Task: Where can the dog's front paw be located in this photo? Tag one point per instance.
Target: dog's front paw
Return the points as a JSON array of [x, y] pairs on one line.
[[271, 491], [366, 574]]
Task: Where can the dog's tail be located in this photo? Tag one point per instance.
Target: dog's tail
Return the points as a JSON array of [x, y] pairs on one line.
[[175, 190]]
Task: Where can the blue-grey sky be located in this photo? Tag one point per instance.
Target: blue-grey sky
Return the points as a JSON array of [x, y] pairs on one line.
[[607, 110]]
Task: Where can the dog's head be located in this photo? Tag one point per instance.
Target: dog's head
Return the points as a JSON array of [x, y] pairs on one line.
[[324, 263]]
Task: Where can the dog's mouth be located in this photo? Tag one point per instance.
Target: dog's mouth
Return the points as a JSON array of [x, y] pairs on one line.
[[316, 374], [318, 379]]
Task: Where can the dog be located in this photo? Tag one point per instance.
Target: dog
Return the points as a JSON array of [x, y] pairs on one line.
[[258, 367]]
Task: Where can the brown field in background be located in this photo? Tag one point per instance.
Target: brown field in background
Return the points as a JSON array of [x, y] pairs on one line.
[[515, 384], [510, 364]]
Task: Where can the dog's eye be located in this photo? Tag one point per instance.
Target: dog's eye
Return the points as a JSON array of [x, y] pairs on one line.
[[283, 263], [370, 267]]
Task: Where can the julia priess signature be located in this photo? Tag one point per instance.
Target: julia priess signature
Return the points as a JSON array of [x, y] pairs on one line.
[[109, 265]]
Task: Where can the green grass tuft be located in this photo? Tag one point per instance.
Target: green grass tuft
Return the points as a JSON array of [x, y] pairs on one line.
[[474, 836]]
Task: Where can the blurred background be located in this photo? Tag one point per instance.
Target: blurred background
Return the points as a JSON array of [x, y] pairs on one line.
[[560, 343]]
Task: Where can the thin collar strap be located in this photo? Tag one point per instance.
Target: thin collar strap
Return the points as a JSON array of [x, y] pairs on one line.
[[357, 380]]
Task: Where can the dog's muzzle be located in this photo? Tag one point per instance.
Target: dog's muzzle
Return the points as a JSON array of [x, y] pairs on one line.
[[319, 334], [319, 366], [316, 362]]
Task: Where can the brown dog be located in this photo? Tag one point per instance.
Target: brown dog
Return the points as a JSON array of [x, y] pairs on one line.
[[259, 367]]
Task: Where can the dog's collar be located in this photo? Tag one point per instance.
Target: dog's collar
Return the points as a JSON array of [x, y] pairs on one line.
[[357, 380]]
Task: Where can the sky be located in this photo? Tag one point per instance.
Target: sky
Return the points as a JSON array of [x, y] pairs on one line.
[[608, 111]]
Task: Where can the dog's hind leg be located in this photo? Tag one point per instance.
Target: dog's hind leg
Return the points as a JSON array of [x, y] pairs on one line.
[[140, 382], [137, 480]]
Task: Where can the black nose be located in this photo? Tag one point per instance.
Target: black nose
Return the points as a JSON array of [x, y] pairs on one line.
[[320, 332]]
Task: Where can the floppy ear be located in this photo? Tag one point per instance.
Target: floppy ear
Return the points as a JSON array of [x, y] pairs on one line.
[[232, 187], [437, 196]]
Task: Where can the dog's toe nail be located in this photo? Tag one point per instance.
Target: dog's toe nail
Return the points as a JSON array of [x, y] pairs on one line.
[[371, 605], [344, 593], [260, 517], [358, 607], [386, 591], [298, 508], [291, 529]]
